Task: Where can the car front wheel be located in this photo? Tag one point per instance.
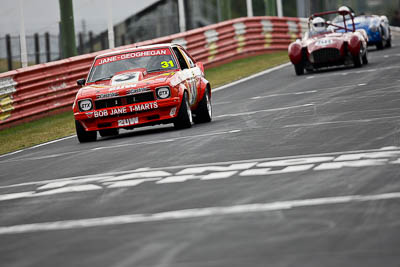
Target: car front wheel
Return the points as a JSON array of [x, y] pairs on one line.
[[203, 112], [83, 135], [184, 118], [365, 57], [357, 60], [299, 69], [389, 42], [380, 45]]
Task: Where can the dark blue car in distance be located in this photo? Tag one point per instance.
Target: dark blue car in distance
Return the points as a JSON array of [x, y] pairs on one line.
[[376, 27]]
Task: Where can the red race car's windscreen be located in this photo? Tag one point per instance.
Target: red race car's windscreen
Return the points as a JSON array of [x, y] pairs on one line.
[[152, 60]]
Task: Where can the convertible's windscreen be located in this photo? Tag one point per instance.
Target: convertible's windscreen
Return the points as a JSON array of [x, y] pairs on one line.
[[152, 60]]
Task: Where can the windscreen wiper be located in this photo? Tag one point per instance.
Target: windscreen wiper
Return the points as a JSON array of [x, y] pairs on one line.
[[154, 70], [103, 79]]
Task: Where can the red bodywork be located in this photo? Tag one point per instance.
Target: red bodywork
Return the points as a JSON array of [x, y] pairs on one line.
[[134, 103], [330, 48]]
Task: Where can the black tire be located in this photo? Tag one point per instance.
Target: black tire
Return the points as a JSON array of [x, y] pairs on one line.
[[365, 57], [109, 132], [357, 59], [389, 42], [83, 135], [203, 112], [184, 119], [379, 45], [299, 69]]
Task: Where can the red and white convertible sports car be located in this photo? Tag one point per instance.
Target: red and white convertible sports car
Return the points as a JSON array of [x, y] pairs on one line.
[[328, 44], [141, 86]]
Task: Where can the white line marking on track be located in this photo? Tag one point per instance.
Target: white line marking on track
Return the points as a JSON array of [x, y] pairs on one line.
[[323, 75], [177, 179], [168, 140], [215, 166], [70, 189], [54, 141], [122, 145], [131, 183], [268, 171], [260, 168], [192, 213], [138, 175], [221, 103], [340, 122], [287, 94], [36, 146], [219, 175], [12, 153], [357, 163], [19, 195], [263, 110], [251, 77]]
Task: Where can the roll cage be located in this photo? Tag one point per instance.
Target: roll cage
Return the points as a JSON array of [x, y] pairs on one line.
[[341, 13]]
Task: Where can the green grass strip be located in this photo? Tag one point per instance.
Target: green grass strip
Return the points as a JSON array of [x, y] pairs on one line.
[[62, 125]]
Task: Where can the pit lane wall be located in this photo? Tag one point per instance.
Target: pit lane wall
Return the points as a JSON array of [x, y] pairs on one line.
[[38, 91]]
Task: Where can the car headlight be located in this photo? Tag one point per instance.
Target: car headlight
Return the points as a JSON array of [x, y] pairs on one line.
[[85, 105], [163, 92]]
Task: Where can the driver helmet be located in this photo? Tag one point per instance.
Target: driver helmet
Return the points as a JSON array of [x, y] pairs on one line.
[[346, 8], [319, 24]]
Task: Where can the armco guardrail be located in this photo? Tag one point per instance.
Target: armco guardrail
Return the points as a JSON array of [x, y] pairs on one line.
[[40, 90]]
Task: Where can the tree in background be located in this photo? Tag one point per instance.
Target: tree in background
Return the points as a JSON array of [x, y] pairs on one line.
[[289, 8], [270, 6], [259, 7]]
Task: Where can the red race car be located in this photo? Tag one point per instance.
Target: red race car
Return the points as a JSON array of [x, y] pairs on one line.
[[328, 44], [141, 86]]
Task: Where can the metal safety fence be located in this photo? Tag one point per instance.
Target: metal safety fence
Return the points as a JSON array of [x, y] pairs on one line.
[[40, 48]]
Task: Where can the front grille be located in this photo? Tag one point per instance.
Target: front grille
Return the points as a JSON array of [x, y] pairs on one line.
[[326, 55], [125, 100], [139, 98]]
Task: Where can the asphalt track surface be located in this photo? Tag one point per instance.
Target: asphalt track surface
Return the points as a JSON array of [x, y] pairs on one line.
[[292, 171]]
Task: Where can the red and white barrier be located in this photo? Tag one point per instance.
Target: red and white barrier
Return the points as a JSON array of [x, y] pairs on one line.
[[40, 90]]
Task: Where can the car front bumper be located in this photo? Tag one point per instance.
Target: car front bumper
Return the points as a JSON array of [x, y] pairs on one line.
[[130, 116]]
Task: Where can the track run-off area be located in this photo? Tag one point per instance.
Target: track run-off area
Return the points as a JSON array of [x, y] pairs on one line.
[[292, 171]]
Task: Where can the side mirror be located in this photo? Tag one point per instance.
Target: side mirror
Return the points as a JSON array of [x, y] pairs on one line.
[[200, 65], [81, 82]]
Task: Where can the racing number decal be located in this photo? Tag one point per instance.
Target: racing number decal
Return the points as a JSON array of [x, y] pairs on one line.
[[166, 64]]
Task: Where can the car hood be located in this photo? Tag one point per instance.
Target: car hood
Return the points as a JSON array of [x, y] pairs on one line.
[[333, 40], [120, 84]]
